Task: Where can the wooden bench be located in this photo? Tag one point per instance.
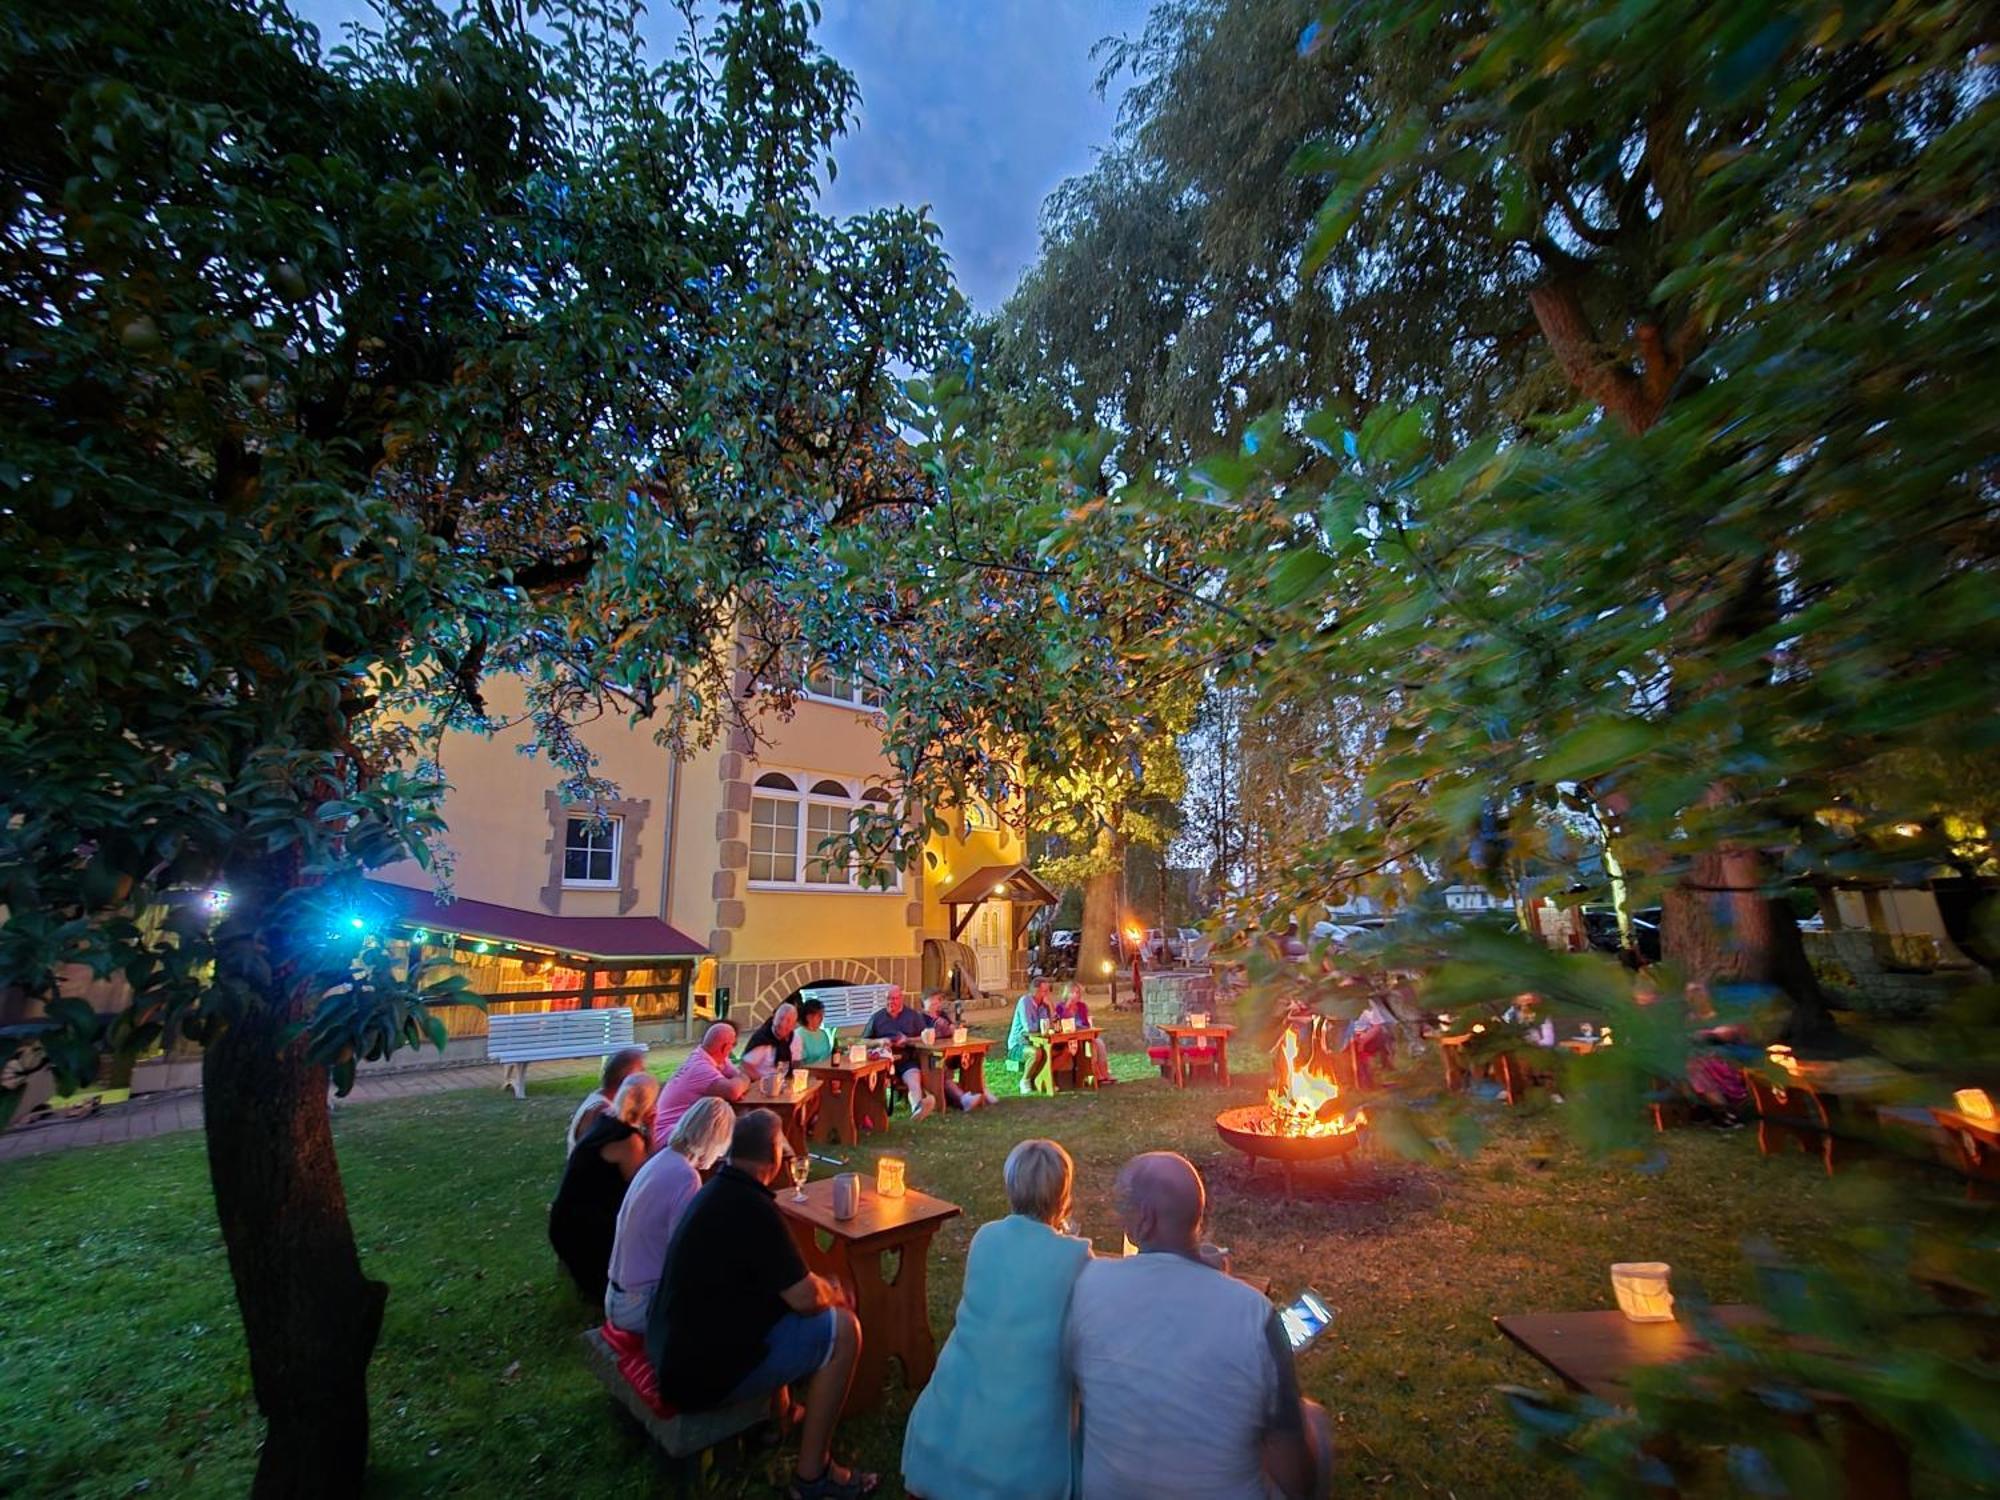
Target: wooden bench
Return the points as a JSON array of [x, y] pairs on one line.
[[684, 1433], [850, 1005], [552, 1036]]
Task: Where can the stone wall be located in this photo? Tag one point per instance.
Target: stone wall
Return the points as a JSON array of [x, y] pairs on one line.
[[757, 989]]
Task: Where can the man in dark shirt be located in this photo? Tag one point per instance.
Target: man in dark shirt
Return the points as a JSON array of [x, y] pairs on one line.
[[737, 1314], [898, 1025]]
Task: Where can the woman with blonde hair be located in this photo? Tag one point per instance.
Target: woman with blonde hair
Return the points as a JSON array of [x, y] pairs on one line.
[[653, 1205], [997, 1419], [584, 1217]]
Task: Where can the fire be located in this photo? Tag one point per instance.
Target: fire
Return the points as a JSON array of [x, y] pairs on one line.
[[1305, 1100]]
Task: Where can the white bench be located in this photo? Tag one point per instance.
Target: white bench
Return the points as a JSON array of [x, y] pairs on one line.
[[849, 1004], [550, 1036]]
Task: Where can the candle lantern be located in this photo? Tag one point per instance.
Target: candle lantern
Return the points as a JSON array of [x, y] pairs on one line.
[[1974, 1104], [857, 1054], [1069, 1023], [889, 1176], [1130, 1248], [930, 1035], [1642, 1290], [961, 1034], [1198, 1019]]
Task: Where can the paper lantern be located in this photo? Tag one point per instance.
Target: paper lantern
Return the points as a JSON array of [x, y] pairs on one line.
[[1974, 1104], [961, 1035], [1069, 1023], [1642, 1289], [1198, 1019], [889, 1176], [857, 1054]]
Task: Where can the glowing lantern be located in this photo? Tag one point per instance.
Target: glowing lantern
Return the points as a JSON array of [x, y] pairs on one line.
[[857, 1054], [1198, 1020], [1642, 1290], [1973, 1104], [889, 1176]]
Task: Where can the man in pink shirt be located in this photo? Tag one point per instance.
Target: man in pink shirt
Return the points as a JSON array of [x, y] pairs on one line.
[[707, 1071]]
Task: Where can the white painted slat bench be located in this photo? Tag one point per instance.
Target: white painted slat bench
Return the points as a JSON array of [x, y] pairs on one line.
[[551, 1036], [849, 1006], [684, 1433]]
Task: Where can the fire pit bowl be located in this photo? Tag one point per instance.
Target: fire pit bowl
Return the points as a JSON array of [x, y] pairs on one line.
[[1249, 1129]]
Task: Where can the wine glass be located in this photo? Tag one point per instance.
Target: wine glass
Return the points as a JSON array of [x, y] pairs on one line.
[[801, 1169]]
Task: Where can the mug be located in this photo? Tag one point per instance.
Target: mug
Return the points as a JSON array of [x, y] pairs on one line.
[[846, 1195]]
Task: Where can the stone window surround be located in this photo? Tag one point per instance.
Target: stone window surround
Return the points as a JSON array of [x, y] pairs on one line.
[[631, 815]]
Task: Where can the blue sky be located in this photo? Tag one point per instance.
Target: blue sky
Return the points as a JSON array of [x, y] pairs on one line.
[[978, 108]]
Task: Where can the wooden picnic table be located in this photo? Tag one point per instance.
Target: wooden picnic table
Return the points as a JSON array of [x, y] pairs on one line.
[[1184, 1036], [1595, 1351], [794, 1108], [938, 1058], [1078, 1048], [1975, 1150], [894, 1313], [856, 1098]]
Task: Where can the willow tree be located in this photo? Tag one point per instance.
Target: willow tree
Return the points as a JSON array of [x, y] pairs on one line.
[[335, 382]]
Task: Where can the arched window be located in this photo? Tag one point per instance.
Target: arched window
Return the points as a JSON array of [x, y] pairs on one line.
[[794, 818]]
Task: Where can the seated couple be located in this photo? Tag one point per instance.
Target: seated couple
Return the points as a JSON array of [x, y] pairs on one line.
[[1183, 1374], [735, 1315], [1035, 1007], [902, 1028]]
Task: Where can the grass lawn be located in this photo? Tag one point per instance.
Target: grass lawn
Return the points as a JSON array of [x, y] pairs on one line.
[[122, 1370]]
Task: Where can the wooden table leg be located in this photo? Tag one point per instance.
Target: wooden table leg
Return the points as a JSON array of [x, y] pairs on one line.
[[972, 1073], [933, 1082], [834, 1120], [1174, 1052], [871, 1104], [895, 1315], [795, 1129], [1222, 1061]]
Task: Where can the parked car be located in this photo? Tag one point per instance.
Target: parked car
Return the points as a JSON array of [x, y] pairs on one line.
[[1186, 945], [1153, 950], [1600, 925]]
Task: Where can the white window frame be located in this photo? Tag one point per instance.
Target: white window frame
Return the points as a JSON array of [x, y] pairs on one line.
[[804, 794], [617, 826], [846, 689]]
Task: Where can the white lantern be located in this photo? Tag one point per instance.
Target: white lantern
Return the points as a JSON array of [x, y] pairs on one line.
[[1643, 1292]]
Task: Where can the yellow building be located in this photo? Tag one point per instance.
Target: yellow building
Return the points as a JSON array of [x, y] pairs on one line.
[[701, 887]]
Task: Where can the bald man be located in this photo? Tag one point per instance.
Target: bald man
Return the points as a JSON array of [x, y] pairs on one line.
[[707, 1071], [1184, 1373]]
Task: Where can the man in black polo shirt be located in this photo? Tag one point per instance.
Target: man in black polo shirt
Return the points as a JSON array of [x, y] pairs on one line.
[[737, 1314]]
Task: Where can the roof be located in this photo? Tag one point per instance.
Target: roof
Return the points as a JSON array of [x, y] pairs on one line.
[[1019, 879], [592, 937]]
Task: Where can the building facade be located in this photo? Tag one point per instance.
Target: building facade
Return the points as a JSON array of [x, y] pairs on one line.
[[701, 889]]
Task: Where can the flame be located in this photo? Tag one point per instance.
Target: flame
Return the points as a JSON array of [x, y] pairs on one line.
[[1306, 1101]]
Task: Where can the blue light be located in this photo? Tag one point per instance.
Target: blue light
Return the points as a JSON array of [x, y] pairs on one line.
[[358, 924]]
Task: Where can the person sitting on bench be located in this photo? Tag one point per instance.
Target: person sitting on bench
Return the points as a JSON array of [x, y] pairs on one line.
[[737, 1314], [707, 1071], [618, 1067]]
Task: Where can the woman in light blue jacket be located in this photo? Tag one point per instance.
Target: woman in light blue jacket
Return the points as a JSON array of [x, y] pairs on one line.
[[997, 1420]]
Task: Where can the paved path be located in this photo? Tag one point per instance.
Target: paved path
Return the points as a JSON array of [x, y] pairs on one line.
[[180, 1109]]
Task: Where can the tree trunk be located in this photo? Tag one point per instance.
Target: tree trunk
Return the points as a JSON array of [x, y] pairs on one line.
[[310, 1317], [1723, 929], [1094, 961]]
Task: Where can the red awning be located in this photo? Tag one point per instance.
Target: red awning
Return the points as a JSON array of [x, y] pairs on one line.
[[591, 937]]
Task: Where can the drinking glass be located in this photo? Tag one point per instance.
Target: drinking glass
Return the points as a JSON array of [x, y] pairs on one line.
[[801, 1170]]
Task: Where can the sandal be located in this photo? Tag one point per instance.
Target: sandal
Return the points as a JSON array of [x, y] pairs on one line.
[[827, 1487]]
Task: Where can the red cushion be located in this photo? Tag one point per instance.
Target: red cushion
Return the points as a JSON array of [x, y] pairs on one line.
[[635, 1367], [1190, 1052]]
